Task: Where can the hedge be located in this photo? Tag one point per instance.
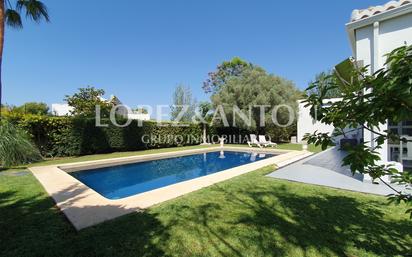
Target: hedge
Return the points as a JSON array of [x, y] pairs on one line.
[[69, 136], [239, 135]]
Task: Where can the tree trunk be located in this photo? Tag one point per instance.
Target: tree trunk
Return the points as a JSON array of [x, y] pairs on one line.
[[2, 20], [204, 134]]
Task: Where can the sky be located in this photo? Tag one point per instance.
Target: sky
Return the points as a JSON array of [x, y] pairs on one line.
[[141, 50]]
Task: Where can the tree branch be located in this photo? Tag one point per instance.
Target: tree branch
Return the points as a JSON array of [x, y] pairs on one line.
[[388, 185]]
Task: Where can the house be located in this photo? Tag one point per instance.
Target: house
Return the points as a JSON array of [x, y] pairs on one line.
[[307, 125], [61, 109], [66, 110], [373, 33]]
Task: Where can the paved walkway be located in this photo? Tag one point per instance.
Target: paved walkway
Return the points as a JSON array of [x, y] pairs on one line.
[[324, 169]]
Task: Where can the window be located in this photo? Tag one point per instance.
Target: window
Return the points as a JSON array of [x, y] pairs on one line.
[[407, 131]]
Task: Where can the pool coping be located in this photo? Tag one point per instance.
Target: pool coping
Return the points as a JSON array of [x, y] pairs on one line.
[[85, 207]]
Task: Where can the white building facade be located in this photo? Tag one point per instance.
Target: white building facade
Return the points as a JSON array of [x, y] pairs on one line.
[[373, 33], [123, 110], [307, 125], [61, 109]]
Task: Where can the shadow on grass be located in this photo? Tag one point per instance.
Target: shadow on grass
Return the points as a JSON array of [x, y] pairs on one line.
[[33, 226], [274, 222], [238, 218]]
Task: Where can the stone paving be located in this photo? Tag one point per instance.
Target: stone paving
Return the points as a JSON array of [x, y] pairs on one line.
[[325, 169]]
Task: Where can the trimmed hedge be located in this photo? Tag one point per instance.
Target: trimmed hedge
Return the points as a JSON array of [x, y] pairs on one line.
[[240, 135], [69, 136]]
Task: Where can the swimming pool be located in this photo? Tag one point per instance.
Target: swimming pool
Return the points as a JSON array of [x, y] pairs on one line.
[[121, 181]]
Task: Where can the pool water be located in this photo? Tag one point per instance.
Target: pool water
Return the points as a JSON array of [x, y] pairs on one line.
[[125, 180]]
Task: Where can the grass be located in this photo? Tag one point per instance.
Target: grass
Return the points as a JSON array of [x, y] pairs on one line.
[[289, 146], [94, 157], [250, 215]]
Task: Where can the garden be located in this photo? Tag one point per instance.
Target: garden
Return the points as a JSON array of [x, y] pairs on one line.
[[250, 214]]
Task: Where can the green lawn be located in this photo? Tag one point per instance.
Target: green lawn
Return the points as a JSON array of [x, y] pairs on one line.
[[250, 215], [93, 157]]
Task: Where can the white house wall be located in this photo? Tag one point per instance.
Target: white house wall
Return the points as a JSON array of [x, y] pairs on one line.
[[364, 38], [61, 109], [307, 125], [394, 33], [372, 43]]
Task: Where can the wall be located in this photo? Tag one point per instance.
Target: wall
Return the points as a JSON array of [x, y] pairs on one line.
[[373, 42], [61, 109], [138, 116], [394, 33], [308, 125]]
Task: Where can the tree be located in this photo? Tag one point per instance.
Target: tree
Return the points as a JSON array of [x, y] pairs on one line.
[[257, 88], [367, 102], [10, 15], [141, 110], [322, 80], [204, 111], [85, 101], [223, 73], [183, 103], [32, 108]]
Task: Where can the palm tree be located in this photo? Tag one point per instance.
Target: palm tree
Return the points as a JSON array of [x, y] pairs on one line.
[[10, 15]]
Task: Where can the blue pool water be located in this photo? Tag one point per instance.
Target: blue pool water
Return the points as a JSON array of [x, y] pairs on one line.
[[125, 180]]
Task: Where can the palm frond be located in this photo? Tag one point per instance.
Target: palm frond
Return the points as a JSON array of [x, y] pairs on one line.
[[13, 19], [35, 9], [15, 146]]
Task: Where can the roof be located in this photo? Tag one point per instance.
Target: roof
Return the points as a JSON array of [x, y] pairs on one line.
[[367, 17], [374, 10]]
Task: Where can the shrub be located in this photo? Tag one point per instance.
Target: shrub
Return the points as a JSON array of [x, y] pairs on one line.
[[15, 146], [70, 136], [275, 133]]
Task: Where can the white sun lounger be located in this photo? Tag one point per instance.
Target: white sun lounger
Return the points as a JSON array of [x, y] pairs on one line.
[[253, 141], [265, 143]]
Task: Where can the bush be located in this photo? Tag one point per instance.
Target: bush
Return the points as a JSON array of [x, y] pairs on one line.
[[15, 146], [70, 136], [275, 133]]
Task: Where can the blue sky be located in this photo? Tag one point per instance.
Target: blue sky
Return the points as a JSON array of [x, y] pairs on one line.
[[140, 50]]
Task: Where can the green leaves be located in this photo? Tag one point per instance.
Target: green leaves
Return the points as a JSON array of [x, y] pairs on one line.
[[367, 102], [15, 146], [183, 103], [322, 139], [223, 72], [34, 10], [324, 86], [85, 101], [253, 90], [13, 19]]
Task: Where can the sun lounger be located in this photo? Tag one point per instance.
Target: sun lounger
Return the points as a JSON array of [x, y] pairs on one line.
[[253, 141], [266, 143]]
